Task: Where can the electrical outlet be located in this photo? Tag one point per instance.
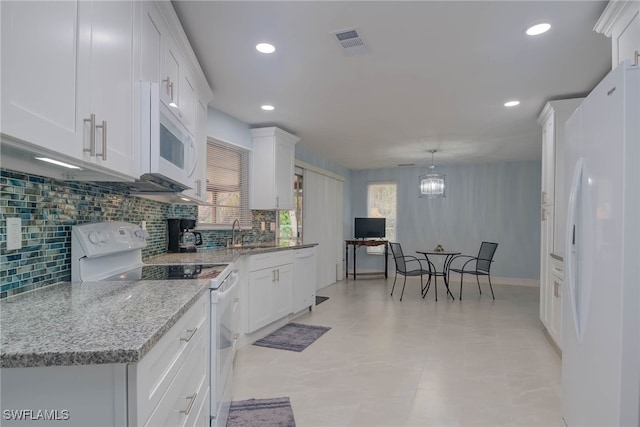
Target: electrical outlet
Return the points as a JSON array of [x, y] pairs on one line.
[[14, 233], [143, 225], [262, 227], [272, 226]]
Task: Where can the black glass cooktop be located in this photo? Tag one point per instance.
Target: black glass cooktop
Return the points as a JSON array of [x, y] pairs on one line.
[[171, 272]]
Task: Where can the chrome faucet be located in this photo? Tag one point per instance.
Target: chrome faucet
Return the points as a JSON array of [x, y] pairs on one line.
[[233, 231]]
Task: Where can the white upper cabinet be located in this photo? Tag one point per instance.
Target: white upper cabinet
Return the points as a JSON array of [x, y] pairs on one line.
[[167, 59], [272, 169], [621, 22], [39, 78], [67, 79], [198, 190], [106, 84]]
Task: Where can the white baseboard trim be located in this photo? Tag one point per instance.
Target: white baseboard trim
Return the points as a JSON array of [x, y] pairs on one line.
[[513, 281]]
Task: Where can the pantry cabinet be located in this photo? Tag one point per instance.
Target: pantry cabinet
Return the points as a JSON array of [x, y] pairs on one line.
[[67, 79], [620, 21], [553, 212], [272, 169]]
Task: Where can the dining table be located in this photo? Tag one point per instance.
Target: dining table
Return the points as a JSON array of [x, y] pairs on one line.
[[446, 263]]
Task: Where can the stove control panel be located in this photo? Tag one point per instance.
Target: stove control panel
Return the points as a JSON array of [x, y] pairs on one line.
[[104, 238]]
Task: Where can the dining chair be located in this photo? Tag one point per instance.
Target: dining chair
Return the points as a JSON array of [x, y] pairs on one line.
[[477, 265], [411, 266]]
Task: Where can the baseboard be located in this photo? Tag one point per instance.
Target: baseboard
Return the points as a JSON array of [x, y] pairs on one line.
[[512, 281], [552, 343]]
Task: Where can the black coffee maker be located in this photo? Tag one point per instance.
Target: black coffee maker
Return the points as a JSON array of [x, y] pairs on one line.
[[180, 237]]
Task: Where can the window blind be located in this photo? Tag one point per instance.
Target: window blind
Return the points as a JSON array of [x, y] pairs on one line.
[[227, 186]]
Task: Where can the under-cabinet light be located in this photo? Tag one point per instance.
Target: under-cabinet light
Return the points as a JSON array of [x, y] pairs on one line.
[[56, 162]]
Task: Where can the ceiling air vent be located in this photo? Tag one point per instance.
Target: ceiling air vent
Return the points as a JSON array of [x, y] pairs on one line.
[[351, 42]]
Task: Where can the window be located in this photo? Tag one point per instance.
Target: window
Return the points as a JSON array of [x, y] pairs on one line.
[[227, 187], [381, 203], [290, 222]]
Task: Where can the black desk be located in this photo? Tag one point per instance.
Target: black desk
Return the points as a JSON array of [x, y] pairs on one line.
[[356, 244]]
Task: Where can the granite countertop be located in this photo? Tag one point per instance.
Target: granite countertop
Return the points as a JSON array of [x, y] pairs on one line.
[[104, 322], [92, 322], [221, 255]]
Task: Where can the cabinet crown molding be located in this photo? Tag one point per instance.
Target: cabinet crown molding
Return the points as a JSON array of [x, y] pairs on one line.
[[612, 13], [559, 105], [274, 131]]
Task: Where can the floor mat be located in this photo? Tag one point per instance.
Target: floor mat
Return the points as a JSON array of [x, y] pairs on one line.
[[261, 413], [293, 337]]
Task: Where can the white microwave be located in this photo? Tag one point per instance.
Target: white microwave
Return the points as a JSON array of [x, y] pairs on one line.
[[168, 153]]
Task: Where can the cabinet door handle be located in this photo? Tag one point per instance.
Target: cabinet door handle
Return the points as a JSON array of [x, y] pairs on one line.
[[199, 187], [103, 126], [277, 201], [92, 135], [544, 197], [192, 400], [543, 214], [278, 275], [191, 333], [273, 275]]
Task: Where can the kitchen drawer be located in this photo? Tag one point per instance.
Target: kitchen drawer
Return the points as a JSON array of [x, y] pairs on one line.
[[271, 259], [182, 402], [154, 373], [557, 267]]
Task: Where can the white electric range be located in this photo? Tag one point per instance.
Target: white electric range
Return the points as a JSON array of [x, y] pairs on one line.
[[112, 251]]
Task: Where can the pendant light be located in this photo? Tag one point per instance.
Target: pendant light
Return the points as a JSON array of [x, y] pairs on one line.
[[432, 184]]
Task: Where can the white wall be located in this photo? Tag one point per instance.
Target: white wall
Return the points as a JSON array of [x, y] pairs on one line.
[[493, 202]]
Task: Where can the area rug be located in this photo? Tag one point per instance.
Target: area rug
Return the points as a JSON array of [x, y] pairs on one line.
[[293, 337], [261, 413], [320, 299]]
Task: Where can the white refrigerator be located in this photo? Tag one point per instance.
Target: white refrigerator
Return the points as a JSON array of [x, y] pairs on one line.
[[601, 297]]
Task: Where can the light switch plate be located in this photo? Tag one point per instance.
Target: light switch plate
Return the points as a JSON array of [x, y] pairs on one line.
[[14, 233], [262, 227], [272, 226]]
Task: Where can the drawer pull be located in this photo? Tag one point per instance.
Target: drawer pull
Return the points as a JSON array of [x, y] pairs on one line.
[[236, 299], [191, 400], [191, 333]]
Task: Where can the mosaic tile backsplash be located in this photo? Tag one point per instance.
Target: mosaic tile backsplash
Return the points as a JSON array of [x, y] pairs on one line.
[[49, 208]]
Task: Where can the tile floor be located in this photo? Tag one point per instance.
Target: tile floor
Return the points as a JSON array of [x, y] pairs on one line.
[[417, 362]]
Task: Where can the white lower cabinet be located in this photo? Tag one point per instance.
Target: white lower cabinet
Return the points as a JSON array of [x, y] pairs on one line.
[[269, 288], [168, 387]]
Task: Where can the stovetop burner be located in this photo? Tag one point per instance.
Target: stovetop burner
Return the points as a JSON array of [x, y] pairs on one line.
[[170, 272]]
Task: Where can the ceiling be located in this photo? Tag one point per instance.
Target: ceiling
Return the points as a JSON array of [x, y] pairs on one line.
[[435, 74]]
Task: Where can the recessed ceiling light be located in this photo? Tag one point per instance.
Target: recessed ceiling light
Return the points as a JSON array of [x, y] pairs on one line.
[[56, 162], [268, 107], [538, 29], [511, 103], [265, 48]]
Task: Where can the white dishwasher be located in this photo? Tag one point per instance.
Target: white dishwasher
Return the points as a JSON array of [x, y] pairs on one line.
[[304, 278]]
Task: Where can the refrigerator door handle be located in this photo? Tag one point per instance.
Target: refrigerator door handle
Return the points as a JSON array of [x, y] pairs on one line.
[[572, 246]]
